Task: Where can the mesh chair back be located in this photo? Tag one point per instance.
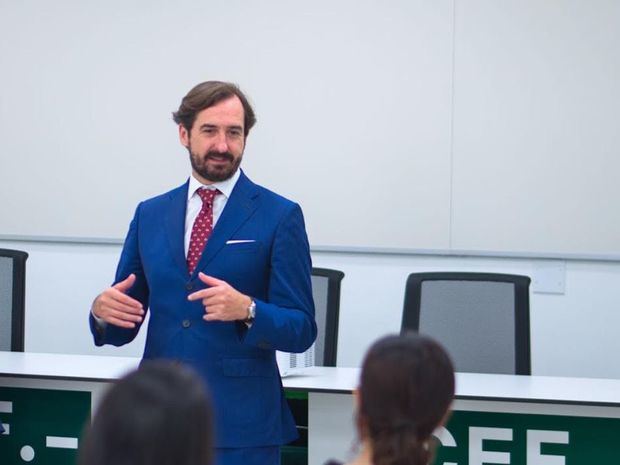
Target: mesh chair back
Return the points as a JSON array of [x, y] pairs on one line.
[[326, 294], [481, 319], [12, 296]]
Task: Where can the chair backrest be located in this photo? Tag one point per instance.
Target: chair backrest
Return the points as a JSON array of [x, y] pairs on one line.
[[482, 319], [326, 294], [12, 297]]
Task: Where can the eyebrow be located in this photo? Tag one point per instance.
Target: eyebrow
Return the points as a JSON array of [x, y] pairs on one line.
[[214, 126]]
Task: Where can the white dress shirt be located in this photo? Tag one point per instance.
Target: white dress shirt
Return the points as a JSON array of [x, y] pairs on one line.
[[194, 202]]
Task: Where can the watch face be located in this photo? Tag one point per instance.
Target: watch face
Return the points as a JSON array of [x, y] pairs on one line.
[[251, 311]]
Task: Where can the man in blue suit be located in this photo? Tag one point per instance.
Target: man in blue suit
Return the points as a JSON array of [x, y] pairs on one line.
[[225, 307]]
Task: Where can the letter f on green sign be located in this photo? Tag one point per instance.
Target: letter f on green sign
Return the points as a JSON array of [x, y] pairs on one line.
[[535, 438]]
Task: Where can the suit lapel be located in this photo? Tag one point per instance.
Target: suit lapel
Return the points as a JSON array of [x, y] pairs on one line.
[[175, 225], [240, 206]]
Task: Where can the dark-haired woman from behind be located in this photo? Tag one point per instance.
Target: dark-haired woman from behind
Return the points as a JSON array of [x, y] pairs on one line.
[[156, 415], [406, 389]]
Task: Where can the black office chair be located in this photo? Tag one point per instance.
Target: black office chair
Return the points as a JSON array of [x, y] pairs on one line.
[[482, 319], [326, 294], [12, 298]]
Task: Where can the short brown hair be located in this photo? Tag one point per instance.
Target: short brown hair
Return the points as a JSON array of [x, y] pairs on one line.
[[207, 94]]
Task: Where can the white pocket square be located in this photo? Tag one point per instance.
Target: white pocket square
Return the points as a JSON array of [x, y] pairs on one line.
[[240, 241]]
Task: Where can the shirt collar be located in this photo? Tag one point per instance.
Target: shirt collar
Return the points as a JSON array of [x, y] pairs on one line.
[[225, 187]]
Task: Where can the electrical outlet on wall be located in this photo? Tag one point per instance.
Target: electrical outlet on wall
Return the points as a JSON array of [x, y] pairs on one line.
[[549, 277]]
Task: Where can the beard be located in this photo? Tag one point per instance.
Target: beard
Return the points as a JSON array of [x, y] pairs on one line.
[[216, 171]]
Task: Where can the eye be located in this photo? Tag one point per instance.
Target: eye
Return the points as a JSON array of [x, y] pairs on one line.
[[235, 132]]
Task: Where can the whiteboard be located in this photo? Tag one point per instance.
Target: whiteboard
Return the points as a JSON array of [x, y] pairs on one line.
[[401, 125], [537, 127], [352, 99]]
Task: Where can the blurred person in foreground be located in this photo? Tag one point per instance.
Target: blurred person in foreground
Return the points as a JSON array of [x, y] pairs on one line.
[[406, 389], [159, 414]]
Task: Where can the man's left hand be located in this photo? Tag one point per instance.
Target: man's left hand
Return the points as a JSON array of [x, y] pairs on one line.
[[222, 302]]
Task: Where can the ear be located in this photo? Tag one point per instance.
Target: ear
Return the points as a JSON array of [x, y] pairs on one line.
[[183, 136]]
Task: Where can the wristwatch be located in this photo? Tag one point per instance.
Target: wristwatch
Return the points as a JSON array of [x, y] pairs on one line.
[[251, 312]]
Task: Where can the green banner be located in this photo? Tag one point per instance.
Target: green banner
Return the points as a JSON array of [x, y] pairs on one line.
[[42, 426], [481, 438]]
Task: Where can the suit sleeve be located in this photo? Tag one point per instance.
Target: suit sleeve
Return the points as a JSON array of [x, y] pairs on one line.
[[129, 262], [285, 321]]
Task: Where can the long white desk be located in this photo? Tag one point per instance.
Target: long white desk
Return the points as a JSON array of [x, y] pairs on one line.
[[475, 386], [533, 420]]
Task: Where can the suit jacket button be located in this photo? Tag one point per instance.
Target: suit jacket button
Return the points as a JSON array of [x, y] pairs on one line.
[[189, 286], [186, 323]]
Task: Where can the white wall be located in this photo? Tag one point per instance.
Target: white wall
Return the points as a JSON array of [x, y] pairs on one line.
[[500, 116], [573, 334]]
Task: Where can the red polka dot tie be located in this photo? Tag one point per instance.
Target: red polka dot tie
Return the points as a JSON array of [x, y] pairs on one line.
[[202, 228]]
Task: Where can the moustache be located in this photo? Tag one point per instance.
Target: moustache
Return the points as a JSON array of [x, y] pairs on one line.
[[220, 155]]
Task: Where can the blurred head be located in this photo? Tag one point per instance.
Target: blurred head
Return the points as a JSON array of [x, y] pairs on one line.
[[214, 120], [157, 415], [406, 389]]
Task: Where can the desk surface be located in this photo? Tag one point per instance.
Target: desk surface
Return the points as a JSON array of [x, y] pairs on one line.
[[473, 386]]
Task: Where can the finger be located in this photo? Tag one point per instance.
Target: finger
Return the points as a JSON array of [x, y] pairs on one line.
[[124, 308], [203, 293], [196, 295], [213, 300], [125, 299], [213, 308], [210, 280], [125, 316], [212, 317], [217, 317], [120, 323], [120, 315], [126, 284]]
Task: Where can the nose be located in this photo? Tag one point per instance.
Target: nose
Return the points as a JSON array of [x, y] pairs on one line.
[[221, 144]]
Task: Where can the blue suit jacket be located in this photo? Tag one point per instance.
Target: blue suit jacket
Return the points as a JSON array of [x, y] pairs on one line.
[[237, 363]]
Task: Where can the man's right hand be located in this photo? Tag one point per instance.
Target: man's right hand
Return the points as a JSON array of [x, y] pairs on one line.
[[115, 307]]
